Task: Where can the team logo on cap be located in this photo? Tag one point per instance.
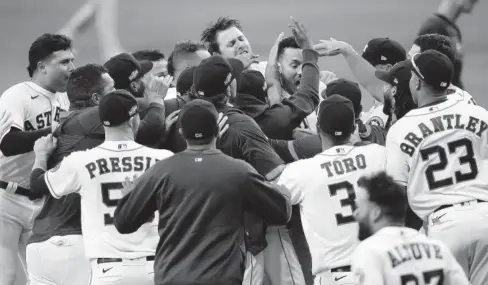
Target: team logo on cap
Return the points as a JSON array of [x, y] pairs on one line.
[[338, 133], [383, 57], [228, 79], [133, 75], [133, 110], [198, 135], [443, 84]]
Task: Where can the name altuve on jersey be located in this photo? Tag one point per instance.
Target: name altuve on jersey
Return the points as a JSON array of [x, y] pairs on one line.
[[119, 164], [439, 124], [413, 251]]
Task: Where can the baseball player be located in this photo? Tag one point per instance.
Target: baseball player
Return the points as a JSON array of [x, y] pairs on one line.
[[33, 107], [438, 152], [390, 253], [98, 175], [444, 23], [324, 187]]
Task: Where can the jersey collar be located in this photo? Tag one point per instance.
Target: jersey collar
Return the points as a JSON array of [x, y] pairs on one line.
[[39, 89], [120, 145], [432, 108], [338, 150]]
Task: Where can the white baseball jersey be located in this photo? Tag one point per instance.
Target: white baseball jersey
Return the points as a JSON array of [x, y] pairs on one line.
[[30, 108], [440, 153], [324, 186], [97, 175], [403, 256], [377, 117], [171, 94], [311, 120]]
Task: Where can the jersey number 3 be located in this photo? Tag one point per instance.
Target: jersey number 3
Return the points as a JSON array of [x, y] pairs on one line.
[[109, 202], [452, 147], [346, 202]]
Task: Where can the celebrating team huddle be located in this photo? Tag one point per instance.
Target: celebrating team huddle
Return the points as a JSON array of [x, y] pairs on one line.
[[210, 167]]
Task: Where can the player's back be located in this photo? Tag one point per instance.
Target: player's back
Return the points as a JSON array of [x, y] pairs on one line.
[[327, 185], [446, 154], [102, 171], [403, 256]]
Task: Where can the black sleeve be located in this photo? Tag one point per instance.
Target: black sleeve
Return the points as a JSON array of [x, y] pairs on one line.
[[38, 185], [152, 125], [257, 151], [302, 148], [138, 206], [265, 200], [282, 148], [374, 134], [18, 142]]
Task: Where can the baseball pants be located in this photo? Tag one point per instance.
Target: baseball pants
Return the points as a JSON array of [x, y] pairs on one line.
[[138, 271], [464, 228], [17, 214], [334, 278], [254, 273], [57, 261]]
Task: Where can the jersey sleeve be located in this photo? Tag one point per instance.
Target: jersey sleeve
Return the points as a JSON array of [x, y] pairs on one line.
[[367, 267], [288, 180], [454, 274], [12, 104], [64, 179], [396, 159]]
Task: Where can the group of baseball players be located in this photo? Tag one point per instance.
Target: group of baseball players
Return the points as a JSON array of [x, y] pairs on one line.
[[211, 167]]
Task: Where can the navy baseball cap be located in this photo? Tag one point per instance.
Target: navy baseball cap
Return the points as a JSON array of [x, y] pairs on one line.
[[117, 107], [185, 81], [124, 69], [214, 74], [399, 75], [348, 89], [252, 82], [199, 120], [336, 116], [432, 67], [384, 51]]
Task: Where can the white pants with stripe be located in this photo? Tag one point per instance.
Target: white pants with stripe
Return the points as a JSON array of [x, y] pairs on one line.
[[334, 278], [127, 272]]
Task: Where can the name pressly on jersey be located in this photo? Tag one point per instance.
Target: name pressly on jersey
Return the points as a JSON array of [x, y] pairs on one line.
[[106, 165], [438, 124]]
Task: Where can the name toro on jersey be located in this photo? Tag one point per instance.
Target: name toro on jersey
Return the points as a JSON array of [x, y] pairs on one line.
[[440, 149]]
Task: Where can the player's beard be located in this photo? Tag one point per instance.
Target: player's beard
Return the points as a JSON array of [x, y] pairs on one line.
[[364, 231]]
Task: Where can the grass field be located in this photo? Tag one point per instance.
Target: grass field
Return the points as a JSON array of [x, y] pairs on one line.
[[160, 23]]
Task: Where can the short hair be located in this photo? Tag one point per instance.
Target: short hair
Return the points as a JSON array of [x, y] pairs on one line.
[[387, 194], [181, 48], [209, 35], [149, 55], [438, 43], [288, 42], [44, 46], [84, 81]]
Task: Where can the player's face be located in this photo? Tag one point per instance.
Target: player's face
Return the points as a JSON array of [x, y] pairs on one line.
[[413, 50], [291, 69], [138, 88], [361, 213], [108, 84], [159, 68], [383, 67], [58, 68], [232, 42]]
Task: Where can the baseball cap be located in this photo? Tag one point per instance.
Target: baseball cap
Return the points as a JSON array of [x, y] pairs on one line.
[[198, 120], [124, 69], [433, 68], [384, 51], [185, 81], [398, 75], [347, 89], [252, 82], [214, 74], [336, 116], [117, 107]]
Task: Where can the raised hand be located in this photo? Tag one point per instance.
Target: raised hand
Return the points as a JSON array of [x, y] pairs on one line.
[[301, 34]]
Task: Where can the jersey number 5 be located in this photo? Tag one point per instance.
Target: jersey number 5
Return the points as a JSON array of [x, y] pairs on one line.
[[346, 202], [109, 202], [434, 277], [452, 147]]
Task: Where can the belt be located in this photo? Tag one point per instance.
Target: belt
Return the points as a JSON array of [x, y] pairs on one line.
[[109, 260], [448, 206], [346, 268], [18, 190]]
